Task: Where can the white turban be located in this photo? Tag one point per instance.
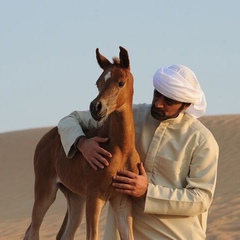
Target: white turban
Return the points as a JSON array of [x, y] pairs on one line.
[[180, 83]]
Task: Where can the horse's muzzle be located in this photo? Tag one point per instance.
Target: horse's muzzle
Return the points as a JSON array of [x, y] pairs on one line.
[[97, 110]]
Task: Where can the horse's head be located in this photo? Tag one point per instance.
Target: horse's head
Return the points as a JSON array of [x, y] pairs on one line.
[[115, 85]]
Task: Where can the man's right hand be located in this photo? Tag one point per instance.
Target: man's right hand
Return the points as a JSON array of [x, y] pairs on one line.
[[93, 153]]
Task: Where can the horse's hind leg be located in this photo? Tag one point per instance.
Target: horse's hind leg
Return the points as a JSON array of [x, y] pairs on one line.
[[45, 194], [74, 214]]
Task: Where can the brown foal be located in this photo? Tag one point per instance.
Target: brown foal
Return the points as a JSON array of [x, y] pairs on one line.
[[82, 185]]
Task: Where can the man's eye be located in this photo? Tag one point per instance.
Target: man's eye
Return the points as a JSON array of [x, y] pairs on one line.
[[170, 101]]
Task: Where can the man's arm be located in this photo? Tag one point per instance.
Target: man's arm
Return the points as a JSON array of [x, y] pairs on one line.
[[71, 127], [192, 200], [197, 196], [71, 130]]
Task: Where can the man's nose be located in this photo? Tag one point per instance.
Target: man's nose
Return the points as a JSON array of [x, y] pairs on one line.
[[159, 103]]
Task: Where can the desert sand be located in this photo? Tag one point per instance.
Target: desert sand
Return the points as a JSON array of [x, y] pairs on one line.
[[17, 181]]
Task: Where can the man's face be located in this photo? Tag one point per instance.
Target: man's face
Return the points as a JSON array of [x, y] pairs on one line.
[[164, 108]]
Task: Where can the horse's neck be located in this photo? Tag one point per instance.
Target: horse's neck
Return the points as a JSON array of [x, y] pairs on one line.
[[120, 127]]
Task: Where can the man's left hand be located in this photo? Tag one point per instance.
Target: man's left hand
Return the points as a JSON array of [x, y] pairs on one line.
[[127, 182]]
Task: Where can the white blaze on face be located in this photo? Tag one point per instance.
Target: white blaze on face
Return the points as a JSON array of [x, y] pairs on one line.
[[107, 76]]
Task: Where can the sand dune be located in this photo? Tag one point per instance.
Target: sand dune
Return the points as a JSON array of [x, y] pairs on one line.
[[17, 179]]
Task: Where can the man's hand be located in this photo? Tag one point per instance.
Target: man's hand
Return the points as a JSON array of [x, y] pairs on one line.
[[127, 182], [93, 153]]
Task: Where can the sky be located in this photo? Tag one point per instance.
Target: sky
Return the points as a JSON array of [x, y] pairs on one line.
[[48, 66]]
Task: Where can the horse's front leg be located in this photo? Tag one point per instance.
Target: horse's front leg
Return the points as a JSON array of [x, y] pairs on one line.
[[94, 207], [122, 209]]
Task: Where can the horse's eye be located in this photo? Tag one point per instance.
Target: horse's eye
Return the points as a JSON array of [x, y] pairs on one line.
[[121, 84]]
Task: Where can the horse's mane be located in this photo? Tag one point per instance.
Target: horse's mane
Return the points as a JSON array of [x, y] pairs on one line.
[[116, 61]]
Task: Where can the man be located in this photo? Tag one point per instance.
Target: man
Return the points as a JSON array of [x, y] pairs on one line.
[[175, 187]]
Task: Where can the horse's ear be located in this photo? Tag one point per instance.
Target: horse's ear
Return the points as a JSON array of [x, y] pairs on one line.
[[102, 61], [124, 59]]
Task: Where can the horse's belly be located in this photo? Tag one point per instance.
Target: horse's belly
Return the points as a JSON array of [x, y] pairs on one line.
[[71, 172]]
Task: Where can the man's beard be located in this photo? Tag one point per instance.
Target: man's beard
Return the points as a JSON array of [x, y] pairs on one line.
[[160, 114]]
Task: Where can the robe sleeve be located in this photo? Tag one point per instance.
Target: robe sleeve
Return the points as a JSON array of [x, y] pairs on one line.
[[197, 196], [73, 126]]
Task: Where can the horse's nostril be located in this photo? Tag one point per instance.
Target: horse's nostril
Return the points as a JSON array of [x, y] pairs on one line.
[[98, 106], [95, 106]]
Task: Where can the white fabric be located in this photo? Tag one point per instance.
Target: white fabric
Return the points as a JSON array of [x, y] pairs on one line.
[[180, 83]]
